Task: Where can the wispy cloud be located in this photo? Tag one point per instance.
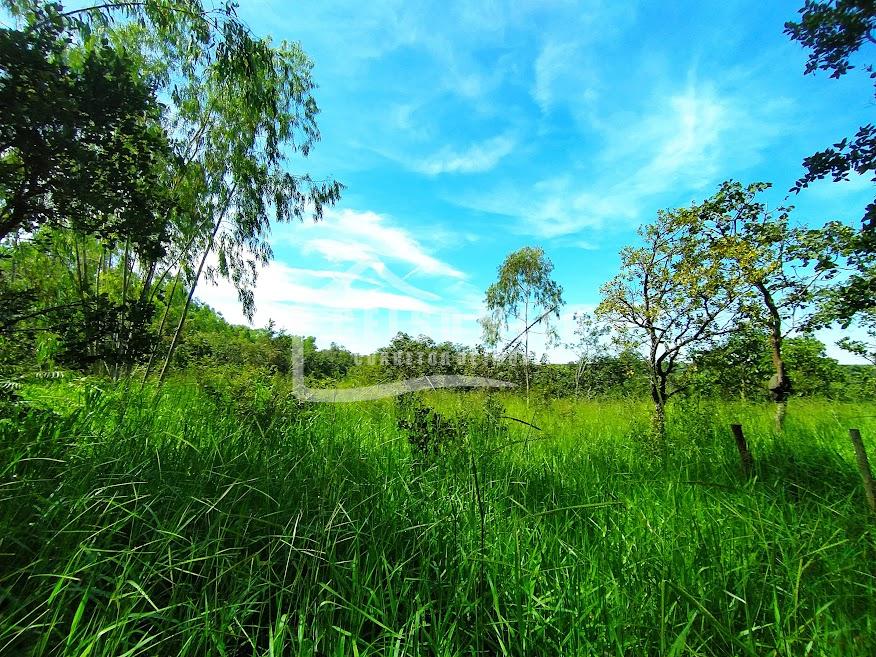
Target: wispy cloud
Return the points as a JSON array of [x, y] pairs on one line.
[[360, 287], [680, 142], [477, 158], [561, 72], [362, 306], [368, 238]]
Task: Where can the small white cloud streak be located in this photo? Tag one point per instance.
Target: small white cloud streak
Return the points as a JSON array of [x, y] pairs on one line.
[[478, 158]]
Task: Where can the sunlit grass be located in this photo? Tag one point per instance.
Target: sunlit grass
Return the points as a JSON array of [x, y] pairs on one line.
[[255, 526]]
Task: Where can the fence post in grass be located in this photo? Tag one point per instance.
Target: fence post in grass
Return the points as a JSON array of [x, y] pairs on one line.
[[742, 446], [864, 468]]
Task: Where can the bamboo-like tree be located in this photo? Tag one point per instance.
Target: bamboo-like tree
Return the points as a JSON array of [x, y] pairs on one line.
[[524, 290], [237, 109]]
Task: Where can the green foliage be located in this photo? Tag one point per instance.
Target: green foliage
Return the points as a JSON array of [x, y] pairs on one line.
[[742, 365], [778, 272], [82, 141], [669, 298], [865, 349], [524, 289], [428, 432], [591, 347], [407, 357], [834, 31], [140, 190], [782, 270]]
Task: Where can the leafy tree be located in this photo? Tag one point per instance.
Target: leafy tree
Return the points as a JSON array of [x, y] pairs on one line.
[[69, 303], [239, 108], [84, 165], [407, 357], [242, 107], [332, 364], [781, 269], [738, 366], [82, 143], [524, 289], [591, 348], [834, 31], [668, 299], [816, 374]]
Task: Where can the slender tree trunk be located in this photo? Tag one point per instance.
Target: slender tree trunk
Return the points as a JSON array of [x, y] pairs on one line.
[[122, 339], [161, 326], [14, 258], [526, 347], [77, 279], [658, 395], [182, 319], [658, 418], [147, 281], [99, 270], [780, 383], [658, 422]]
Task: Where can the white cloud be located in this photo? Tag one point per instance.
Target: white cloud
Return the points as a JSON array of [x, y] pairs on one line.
[[350, 236], [354, 295], [475, 159], [350, 308]]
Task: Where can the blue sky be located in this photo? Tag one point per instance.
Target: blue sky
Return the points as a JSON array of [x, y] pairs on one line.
[[466, 130]]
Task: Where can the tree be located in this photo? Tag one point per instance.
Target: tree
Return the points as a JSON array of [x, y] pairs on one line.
[[834, 31], [524, 289], [738, 366], [668, 298], [816, 374], [84, 162], [240, 107], [735, 367], [408, 357], [590, 348], [782, 270], [81, 144]]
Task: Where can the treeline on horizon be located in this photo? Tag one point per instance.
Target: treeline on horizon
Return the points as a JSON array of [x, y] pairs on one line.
[[86, 327], [738, 369]]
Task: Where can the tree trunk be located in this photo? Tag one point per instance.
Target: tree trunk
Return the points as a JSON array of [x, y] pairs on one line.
[[526, 346], [182, 318], [780, 383], [161, 326], [123, 337], [658, 422], [658, 418]]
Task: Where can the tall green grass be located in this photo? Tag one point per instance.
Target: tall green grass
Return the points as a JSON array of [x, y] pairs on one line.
[[231, 522]]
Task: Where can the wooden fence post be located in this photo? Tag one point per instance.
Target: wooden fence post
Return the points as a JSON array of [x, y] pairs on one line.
[[742, 446], [864, 468]]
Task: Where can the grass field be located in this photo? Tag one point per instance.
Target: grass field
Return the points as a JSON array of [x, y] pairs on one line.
[[224, 524]]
